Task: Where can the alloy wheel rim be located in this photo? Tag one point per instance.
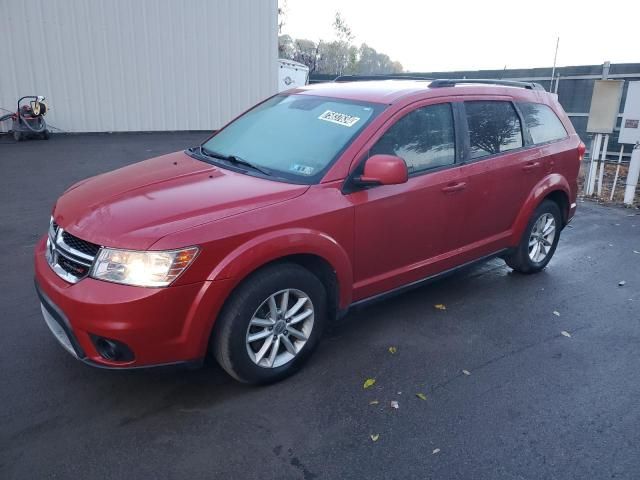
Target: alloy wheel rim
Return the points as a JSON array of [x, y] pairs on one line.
[[280, 328], [542, 237]]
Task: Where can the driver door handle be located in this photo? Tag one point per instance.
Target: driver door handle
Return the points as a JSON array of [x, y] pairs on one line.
[[454, 187]]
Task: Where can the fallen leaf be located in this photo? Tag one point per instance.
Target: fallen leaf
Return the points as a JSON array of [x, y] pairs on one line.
[[437, 450], [466, 372], [392, 350], [369, 382], [421, 396], [565, 333], [374, 402], [440, 306], [621, 283], [556, 313], [375, 437], [394, 404], [636, 252]]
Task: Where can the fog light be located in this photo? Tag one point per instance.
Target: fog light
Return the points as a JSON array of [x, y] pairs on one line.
[[112, 350]]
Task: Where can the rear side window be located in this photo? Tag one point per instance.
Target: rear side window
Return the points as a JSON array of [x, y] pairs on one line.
[[494, 127], [424, 138], [544, 125]]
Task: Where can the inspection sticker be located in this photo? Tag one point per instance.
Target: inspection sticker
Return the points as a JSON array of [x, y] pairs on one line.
[[339, 118], [302, 169]]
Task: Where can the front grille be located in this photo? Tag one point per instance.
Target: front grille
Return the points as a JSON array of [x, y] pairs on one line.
[[83, 246], [69, 256]]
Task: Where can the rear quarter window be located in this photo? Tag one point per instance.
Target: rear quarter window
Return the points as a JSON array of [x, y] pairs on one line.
[[542, 122]]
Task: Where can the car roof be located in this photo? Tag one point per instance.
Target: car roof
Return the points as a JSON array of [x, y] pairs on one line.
[[392, 91]]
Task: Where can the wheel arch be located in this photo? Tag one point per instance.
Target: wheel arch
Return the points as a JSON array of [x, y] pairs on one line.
[[561, 198], [314, 250], [553, 187]]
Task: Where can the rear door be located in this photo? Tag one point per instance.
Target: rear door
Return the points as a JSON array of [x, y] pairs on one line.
[[500, 171]]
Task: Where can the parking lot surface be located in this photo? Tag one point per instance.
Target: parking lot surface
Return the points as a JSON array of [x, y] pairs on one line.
[[507, 395]]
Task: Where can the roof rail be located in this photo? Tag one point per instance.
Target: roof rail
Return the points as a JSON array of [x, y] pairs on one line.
[[364, 78], [446, 82]]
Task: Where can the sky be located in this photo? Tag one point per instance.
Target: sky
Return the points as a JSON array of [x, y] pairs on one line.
[[441, 35]]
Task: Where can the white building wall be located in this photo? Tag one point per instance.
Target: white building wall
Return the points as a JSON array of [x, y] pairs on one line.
[[138, 65]]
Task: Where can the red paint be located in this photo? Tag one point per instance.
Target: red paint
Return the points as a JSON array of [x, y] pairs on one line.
[[375, 239], [385, 170]]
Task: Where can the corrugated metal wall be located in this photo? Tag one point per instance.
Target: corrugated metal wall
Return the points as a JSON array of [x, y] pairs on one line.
[[138, 65]]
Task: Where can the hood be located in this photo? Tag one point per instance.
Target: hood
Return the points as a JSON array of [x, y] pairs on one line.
[[135, 206]]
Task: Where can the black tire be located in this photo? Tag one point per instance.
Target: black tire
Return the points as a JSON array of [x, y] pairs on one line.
[[228, 340], [45, 135], [519, 259]]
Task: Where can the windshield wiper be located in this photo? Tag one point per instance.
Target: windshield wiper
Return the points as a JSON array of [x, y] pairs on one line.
[[236, 160]]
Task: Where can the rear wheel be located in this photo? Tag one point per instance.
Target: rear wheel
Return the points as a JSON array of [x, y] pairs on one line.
[[270, 324], [539, 241]]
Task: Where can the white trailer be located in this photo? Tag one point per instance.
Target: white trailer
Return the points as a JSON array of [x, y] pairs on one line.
[[291, 74]]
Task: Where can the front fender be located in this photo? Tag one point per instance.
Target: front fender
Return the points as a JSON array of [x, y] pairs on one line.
[[550, 183], [271, 246]]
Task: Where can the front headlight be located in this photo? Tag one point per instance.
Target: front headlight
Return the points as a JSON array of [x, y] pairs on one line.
[[143, 269]]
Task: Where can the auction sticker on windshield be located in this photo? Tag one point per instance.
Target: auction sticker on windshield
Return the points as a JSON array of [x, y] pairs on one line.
[[339, 118]]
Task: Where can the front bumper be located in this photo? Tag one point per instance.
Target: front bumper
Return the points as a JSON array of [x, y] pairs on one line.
[[160, 326]]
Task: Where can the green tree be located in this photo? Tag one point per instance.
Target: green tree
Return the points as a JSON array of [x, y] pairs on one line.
[[337, 57], [306, 52], [282, 14], [343, 31], [286, 47]]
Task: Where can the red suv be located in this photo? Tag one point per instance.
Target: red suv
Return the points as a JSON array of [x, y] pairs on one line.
[[313, 201]]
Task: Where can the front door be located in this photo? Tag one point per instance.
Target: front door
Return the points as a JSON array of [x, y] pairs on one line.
[[403, 232]]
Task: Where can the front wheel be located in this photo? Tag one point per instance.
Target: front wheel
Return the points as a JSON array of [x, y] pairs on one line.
[[270, 324], [539, 241]]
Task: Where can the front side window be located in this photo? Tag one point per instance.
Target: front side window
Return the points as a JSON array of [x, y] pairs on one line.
[[294, 137], [544, 125], [494, 127], [424, 138]]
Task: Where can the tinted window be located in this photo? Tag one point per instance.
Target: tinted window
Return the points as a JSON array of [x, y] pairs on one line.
[[425, 138], [544, 125], [295, 137], [494, 127]]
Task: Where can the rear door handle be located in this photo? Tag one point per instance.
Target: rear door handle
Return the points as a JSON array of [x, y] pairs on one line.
[[454, 187], [530, 166]]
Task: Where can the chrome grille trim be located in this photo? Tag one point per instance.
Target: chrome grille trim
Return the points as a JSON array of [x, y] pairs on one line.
[[74, 259], [71, 256], [69, 250]]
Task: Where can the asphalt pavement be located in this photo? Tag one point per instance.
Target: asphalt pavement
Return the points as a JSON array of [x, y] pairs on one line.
[[507, 395]]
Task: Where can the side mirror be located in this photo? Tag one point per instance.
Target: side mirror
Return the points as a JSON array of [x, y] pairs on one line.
[[384, 170]]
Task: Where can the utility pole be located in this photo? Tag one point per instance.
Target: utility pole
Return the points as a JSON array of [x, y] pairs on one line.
[[553, 70]]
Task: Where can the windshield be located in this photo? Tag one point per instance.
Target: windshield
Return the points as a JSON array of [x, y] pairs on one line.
[[295, 137]]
